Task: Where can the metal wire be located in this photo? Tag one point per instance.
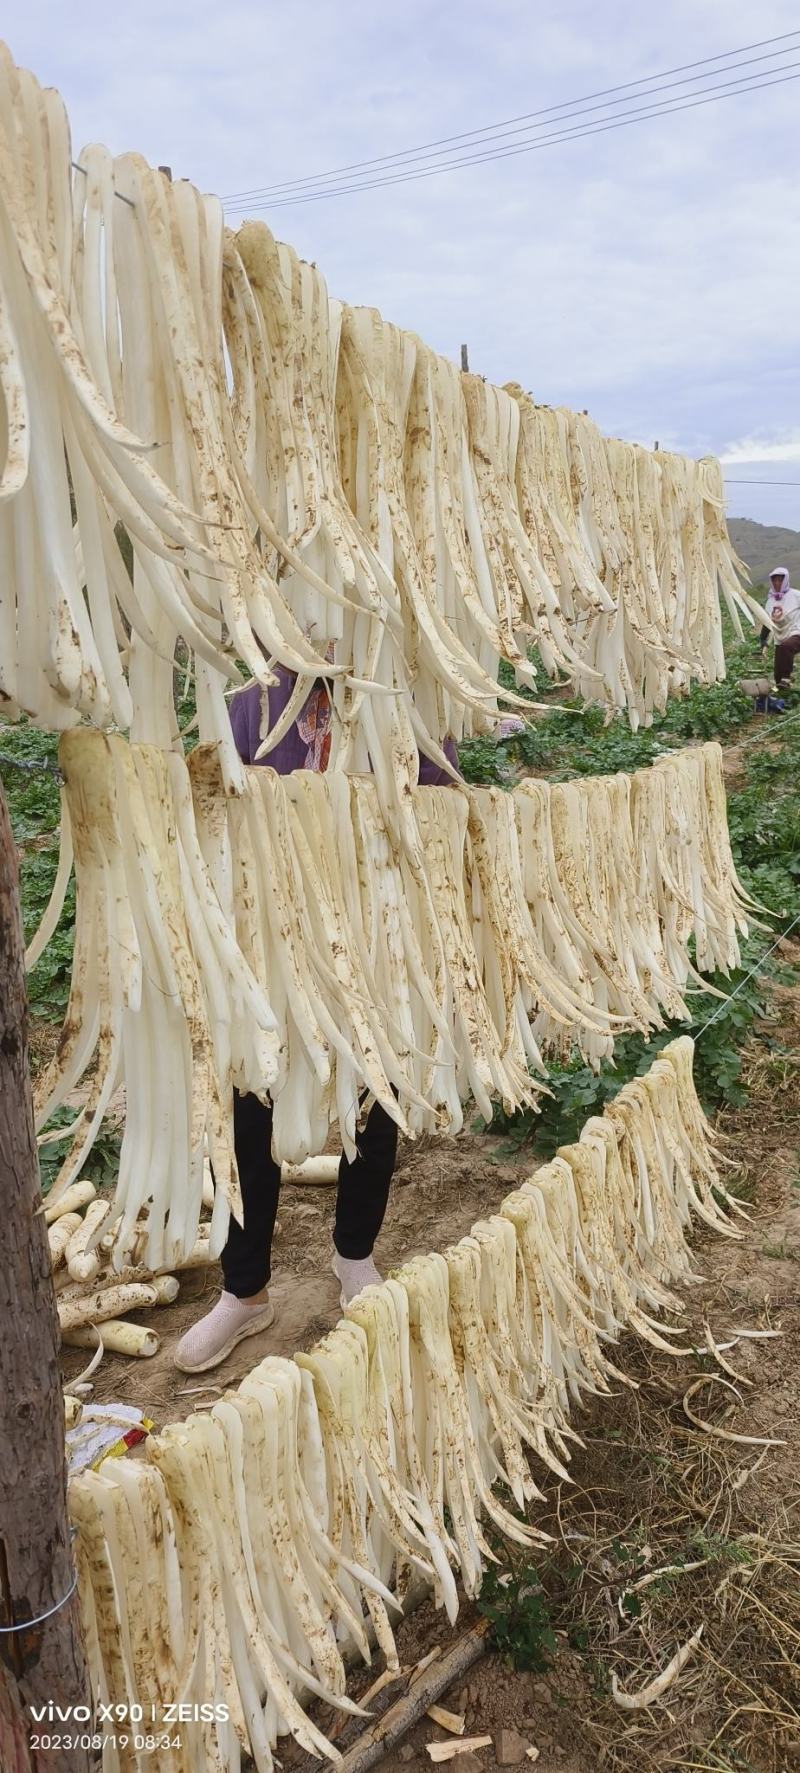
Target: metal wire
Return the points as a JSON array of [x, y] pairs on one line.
[[34, 766], [128, 200], [758, 968], [28, 1624], [576, 106]]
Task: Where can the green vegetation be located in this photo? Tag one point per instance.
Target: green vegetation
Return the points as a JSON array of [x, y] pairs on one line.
[[514, 1601], [524, 1601], [29, 773], [764, 821], [575, 741], [101, 1165]]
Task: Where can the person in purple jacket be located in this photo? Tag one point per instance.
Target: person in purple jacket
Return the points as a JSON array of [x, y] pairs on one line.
[[244, 1306]]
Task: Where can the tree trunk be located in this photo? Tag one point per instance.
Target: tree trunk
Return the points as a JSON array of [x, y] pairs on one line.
[[45, 1665]]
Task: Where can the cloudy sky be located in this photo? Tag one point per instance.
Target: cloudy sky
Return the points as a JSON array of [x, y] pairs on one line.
[[651, 274]]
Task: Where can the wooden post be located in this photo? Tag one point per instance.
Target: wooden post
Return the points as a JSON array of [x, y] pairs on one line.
[[464, 358], [167, 171], [46, 1665]]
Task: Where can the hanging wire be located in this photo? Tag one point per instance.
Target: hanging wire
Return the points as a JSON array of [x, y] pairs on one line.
[[29, 1624], [713, 96], [517, 124], [129, 200], [758, 968]]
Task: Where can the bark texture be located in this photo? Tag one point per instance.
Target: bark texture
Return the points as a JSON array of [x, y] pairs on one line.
[[46, 1664], [425, 1687]]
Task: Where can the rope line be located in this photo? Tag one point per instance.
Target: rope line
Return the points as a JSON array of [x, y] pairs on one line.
[[758, 968]]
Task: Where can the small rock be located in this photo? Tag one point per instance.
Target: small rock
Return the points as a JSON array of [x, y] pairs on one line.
[[541, 1692], [407, 1752], [509, 1748], [530, 1723]]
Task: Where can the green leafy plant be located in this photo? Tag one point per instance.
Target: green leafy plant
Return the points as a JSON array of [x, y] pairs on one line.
[[29, 772], [577, 740], [518, 1610], [102, 1164]]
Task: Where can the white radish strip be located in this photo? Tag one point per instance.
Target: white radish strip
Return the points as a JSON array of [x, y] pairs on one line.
[[55, 903], [653, 1691]]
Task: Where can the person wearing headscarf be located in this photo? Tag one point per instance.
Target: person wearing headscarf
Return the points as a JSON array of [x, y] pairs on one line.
[[783, 608], [244, 1307]]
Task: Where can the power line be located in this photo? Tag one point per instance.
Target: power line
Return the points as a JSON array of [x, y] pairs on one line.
[[715, 94], [453, 158], [576, 109], [490, 130], [731, 482], [310, 188]]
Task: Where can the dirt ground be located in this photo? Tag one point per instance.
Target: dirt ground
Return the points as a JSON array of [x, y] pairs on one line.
[[441, 1186], [649, 1488]]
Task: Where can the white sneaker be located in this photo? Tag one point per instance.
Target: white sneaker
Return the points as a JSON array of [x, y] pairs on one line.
[[216, 1335], [353, 1277]]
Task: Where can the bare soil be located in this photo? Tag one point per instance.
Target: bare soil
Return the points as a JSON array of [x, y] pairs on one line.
[[441, 1186]]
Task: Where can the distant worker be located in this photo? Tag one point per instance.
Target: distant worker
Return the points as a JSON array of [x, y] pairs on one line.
[[783, 608]]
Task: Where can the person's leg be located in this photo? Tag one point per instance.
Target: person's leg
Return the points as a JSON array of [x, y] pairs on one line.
[[243, 1307], [361, 1201], [785, 652], [246, 1257]]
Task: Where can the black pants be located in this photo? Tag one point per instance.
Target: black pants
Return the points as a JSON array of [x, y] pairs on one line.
[[785, 654], [361, 1197]]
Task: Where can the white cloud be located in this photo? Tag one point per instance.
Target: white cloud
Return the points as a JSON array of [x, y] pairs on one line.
[[762, 448]]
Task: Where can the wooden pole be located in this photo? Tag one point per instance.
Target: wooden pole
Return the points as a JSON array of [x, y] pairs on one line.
[[45, 1665], [464, 358]]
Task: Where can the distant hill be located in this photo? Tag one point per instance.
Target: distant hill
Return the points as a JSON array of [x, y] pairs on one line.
[[763, 546]]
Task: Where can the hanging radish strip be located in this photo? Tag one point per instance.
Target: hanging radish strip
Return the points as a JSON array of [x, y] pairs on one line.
[[283, 942], [260, 1542], [202, 451]]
